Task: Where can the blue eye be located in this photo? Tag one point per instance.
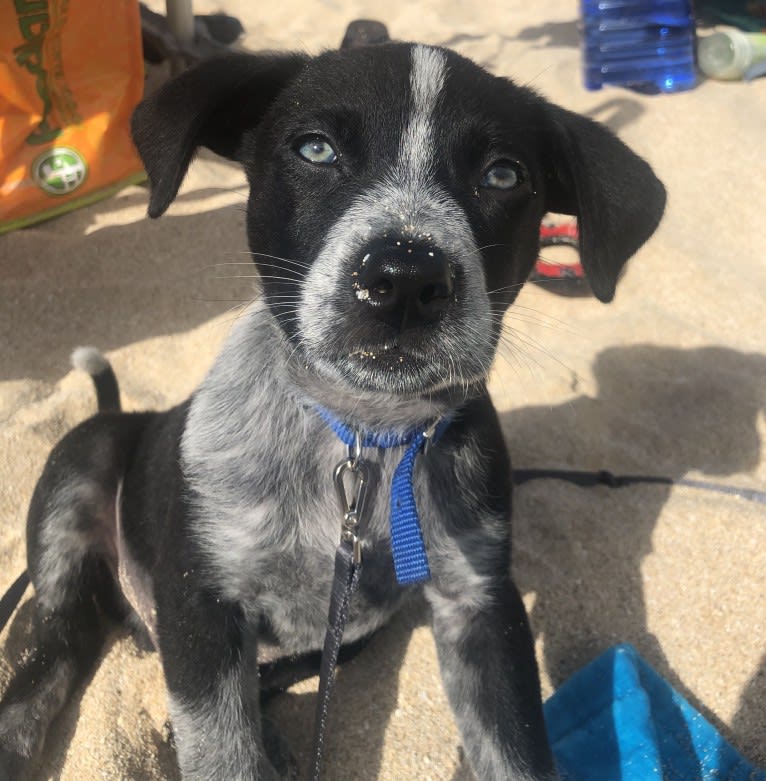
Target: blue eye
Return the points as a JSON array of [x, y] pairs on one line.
[[316, 150], [504, 175]]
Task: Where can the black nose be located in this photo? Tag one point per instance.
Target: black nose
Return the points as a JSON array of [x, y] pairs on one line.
[[404, 286]]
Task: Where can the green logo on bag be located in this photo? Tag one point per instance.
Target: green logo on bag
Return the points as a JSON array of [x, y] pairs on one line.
[[59, 171]]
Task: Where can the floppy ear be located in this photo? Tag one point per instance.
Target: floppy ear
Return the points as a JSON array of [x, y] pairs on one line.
[[212, 105], [613, 192]]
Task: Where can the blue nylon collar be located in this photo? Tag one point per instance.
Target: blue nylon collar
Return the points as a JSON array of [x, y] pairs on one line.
[[409, 552]]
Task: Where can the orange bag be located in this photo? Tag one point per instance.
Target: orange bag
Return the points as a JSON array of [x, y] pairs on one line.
[[70, 77]]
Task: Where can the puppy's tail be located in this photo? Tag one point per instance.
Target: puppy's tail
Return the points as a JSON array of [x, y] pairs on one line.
[[91, 360]]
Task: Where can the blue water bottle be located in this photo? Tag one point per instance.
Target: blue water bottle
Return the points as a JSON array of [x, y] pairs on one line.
[[646, 45]]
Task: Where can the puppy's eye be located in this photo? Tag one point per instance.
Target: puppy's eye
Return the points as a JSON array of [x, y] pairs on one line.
[[504, 175], [317, 150]]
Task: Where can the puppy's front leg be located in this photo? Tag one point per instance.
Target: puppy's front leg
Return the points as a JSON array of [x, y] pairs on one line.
[[490, 674], [212, 678]]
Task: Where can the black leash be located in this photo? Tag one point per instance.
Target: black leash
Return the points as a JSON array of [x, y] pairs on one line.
[[348, 569], [345, 582], [12, 597], [589, 479]]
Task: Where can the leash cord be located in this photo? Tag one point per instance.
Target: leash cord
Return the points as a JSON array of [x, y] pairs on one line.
[[604, 477], [12, 597], [345, 582]]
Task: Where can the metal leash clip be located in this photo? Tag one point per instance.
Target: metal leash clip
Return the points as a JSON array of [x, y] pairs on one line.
[[352, 508]]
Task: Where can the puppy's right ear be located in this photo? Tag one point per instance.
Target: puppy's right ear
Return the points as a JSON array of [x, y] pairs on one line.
[[212, 105]]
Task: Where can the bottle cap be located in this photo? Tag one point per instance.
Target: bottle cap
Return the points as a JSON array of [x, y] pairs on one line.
[[725, 54]]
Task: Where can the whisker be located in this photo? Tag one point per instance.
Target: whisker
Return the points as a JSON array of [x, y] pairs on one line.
[[533, 317], [529, 341], [239, 276], [242, 309], [298, 345], [298, 263], [275, 277], [523, 356], [221, 300], [515, 286], [230, 262], [285, 310], [253, 253], [491, 246]]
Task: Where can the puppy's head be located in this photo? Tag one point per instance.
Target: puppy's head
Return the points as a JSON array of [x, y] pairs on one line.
[[396, 194]]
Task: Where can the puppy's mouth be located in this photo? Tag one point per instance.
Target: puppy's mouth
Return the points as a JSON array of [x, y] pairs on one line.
[[403, 365], [388, 352], [390, 359]]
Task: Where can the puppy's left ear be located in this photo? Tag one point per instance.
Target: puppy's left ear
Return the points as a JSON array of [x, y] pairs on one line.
[[213, 104], [613, 192]]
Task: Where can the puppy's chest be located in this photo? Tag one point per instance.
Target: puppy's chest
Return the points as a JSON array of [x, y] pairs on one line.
[[272, 542]]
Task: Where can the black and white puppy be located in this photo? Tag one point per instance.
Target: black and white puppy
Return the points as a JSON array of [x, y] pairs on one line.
[[396, 194]]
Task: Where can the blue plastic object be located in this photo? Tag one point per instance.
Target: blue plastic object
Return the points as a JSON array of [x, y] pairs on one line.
[[647, 45], [618, 720]]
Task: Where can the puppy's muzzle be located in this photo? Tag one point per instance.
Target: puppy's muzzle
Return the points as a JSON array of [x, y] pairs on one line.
[[404, 286]]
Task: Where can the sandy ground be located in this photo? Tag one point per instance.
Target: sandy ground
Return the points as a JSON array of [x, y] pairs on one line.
[[668, 379]]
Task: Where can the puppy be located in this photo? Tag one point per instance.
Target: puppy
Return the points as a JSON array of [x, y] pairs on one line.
[[396, 194]]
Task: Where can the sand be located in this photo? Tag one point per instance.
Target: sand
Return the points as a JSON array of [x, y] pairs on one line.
[[668, 379]]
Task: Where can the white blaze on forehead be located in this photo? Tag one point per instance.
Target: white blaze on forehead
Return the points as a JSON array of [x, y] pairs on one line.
[[429, 68]]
